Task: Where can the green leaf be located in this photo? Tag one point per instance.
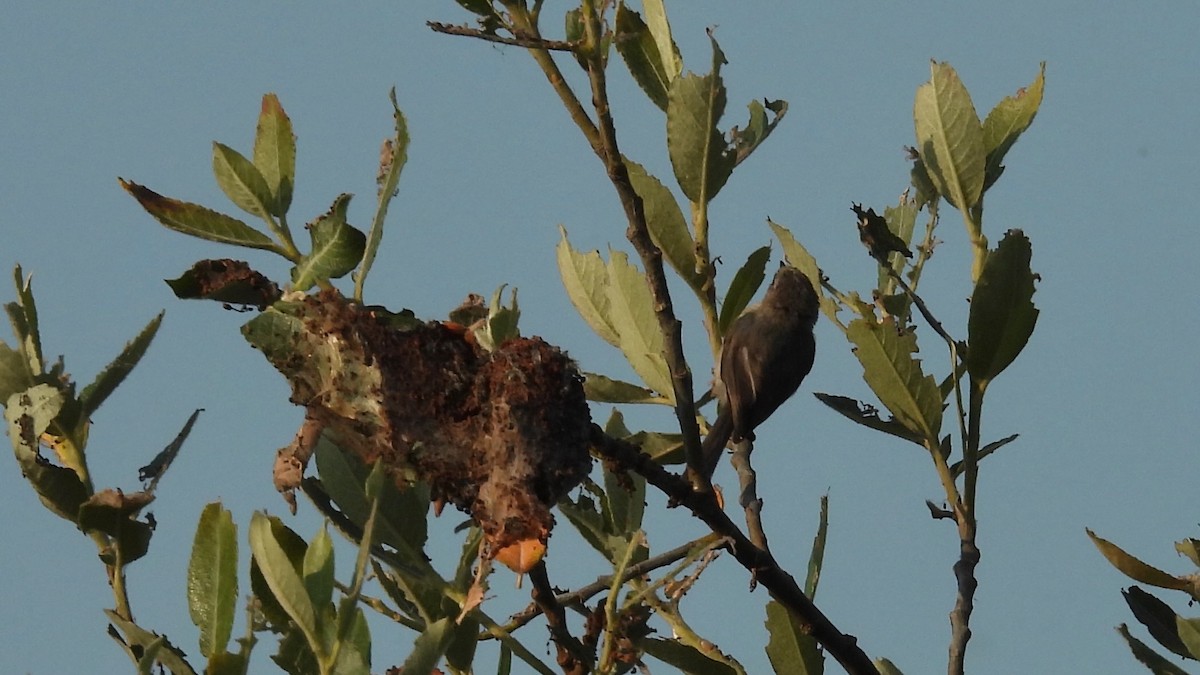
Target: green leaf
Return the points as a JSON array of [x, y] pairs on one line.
[[626, 501], [393, 158], [701, 157], [1147, 656], [1002, 313], [14, 377], [745, 284], [637, 47], [212, 584], [745, 141], [354, 657], [337, 247], [242, 182], [286, 585], [632, 314], [115, 372], [226, 664], [461, 651], [816, 559], [275, 154], [664, 448], [594, 524], [886, 667], [1189, 634], [894, 374], [790, 648], [950, 137], [797, 256], [195, 220], [660, 29], [602, 389], [686, 658], [318, 570], [1007, 121], [926, 191], [294, 547], [502, 320], [430, 646], [29, 414], [168, 655], [1136, 569], [24, 318], [1157, 617], [464, 573], [401, 521], [295, 656], [585, 278], [666, 223]]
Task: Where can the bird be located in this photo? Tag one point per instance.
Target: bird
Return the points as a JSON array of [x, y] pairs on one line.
[[765, 356]]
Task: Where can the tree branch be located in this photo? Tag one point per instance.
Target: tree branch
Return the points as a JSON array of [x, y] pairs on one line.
[[782, 586], [583, 593], [519, 39], [638, 233], [748, 494], [572, 656]]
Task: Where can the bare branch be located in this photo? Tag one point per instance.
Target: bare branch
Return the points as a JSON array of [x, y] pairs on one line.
[[518, 40], [572, 655]]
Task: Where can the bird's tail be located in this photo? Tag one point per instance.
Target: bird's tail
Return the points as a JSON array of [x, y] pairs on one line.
[[714, 442]]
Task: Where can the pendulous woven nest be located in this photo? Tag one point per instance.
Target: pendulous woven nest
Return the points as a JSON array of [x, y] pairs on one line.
[[502, 435]]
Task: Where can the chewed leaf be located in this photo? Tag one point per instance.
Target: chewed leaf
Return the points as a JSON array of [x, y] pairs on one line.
[[1007, 121], [337, 247], [1002, 312], [225, 280], [700, 155], [894, 374]]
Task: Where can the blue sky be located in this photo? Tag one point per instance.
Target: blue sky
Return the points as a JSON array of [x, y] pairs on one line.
[[1105, 397]]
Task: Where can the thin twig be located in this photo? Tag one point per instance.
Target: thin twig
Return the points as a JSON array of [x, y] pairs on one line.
[[782, 586], [518, 39], [748, 495], [584, 593], [964, 504]]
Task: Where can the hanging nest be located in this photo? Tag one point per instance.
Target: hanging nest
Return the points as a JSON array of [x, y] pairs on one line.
[[502, 435]]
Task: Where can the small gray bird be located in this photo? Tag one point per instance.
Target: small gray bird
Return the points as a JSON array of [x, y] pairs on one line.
[[767, 352]]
